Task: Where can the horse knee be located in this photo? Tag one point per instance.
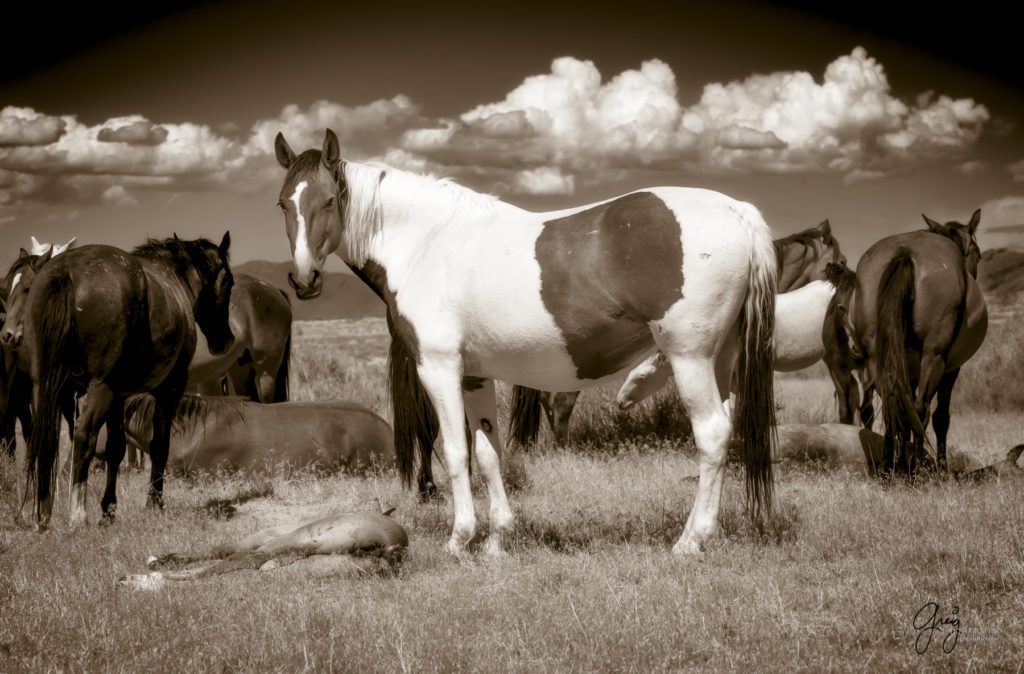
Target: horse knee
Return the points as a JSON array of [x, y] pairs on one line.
[[712, 435]]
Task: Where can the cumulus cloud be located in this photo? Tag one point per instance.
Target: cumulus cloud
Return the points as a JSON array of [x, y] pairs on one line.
[[545, 180], [24, 126], [973, 167], [117, 195], [132, 130], [1017, 170]]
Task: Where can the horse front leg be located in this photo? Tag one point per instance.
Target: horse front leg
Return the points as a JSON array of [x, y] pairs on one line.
[[441, 376], [97, 404], [482, 416], [114, 453], [940, 418]]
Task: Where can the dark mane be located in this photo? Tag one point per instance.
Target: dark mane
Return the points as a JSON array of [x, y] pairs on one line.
[[805, 238], [181, 254], [841, 276], [191, 413]]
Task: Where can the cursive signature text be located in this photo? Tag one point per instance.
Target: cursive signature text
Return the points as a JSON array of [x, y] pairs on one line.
[[927, 622]]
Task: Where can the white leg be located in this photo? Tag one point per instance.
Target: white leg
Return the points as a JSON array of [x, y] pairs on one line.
[[695, 378], [482, 414], [442, 379]]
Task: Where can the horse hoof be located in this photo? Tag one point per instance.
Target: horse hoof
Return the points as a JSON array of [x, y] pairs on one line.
[[687, 547]]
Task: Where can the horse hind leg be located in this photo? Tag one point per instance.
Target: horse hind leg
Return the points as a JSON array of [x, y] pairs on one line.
[[114, 454], [94, 413], [940, 418], [482, 416]]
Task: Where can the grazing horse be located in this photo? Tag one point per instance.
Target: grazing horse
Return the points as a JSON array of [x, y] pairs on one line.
[[798, 318], [802, 258], [257, 365], [212, 433], [842, 357], [917, 316], [110, 323], [478, 290]]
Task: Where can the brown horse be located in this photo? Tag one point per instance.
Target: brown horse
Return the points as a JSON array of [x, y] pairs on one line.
[[112, 323], [917, 316], [802, 258], [211, 433], [841, 356], [257, 365]]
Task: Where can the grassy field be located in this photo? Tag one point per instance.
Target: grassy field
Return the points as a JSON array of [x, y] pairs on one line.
[[590, 584]]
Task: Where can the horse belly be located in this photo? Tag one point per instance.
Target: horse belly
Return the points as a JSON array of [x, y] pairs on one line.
[[973, 330]]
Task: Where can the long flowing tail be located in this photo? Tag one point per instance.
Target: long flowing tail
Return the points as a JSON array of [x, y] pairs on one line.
[[281, 383], [754, 414], [524, 415], [415, 418], [56, 324], [895, 311]]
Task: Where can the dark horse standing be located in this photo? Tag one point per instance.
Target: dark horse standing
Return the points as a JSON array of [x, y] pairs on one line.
[[109, 323], [917, 316]]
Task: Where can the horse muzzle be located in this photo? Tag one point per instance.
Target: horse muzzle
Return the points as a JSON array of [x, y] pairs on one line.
[[307, 291], [10, 339]]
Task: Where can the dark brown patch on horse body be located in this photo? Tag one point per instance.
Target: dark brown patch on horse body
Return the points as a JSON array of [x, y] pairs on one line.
[[376, 277], [607, 271]]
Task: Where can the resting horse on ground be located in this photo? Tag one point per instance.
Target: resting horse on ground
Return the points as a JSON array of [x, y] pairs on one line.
[[212, 433], [917, 315], [479, 290], [101, 320], [801, 257]]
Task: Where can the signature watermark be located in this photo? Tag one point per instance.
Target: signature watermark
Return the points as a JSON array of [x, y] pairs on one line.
[[929, 625]]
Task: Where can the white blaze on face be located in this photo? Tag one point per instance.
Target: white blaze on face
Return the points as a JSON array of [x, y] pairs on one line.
[[302, 255], [14, 283]]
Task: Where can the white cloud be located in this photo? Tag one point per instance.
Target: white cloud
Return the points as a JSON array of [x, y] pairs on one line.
[[118, 195], [25, 126], [545, 180], [1017, 170], [973, 167]]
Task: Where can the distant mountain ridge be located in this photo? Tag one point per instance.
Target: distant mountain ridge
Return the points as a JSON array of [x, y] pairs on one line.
[[343, 296], [1001, 272]]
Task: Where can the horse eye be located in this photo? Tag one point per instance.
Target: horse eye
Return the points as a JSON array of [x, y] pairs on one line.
[[330, 202], [280, 204]]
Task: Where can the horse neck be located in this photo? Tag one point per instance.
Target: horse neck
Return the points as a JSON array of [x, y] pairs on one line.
[[190, 281]]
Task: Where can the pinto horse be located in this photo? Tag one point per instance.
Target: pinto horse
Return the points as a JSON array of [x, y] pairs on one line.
[[478, 290], [110, 323], [917, 316], [799, 315], [801, 257]]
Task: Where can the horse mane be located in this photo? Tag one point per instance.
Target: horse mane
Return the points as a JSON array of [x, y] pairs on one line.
[[181, 254], [805, 238], [192, 412]]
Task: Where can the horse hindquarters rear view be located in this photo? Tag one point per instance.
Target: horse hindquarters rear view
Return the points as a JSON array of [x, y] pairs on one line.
[[479, 289], [109, 323]]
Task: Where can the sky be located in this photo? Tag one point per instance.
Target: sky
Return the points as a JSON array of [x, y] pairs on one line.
[[122, 124]]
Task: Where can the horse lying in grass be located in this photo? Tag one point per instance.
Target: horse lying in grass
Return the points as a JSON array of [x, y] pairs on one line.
[[345, 544], [861, 448], [213, 433]]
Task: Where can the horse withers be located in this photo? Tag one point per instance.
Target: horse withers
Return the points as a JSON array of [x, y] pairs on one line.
[[214, 433], [917, 316], [102, 321], [478, 289]]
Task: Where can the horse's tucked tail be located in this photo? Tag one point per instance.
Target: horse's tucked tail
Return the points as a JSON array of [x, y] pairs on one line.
[[55, 327], [895, 312], [754, 413], [524, 415], [415, 420], [281, 383]]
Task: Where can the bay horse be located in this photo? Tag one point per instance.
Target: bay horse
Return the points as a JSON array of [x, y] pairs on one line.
[[842, 357], [111, 323], [479, 289], [802, 258], [256, 366], [799, 315], [917, 316], [212, 433]]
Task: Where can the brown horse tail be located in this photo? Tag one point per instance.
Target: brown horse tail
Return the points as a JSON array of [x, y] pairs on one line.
[[281, 384], [524, 415], [754, 414], [895, 311], [415, 418], [56, 324]]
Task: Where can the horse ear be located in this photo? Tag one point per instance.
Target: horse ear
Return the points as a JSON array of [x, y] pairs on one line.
[[225, 243], [932, 225], [972, 226], [331, 155], [825, 227], [22, 254], [284, 154], [40, 260]]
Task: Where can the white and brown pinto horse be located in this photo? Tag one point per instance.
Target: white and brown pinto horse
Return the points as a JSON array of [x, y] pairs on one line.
[[478, 290]]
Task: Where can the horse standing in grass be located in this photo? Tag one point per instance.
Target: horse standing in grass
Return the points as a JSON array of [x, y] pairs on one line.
[[110, 323], [917, 316], [801, 257], [478, 290]]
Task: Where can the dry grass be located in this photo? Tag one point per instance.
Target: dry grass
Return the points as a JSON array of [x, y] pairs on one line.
[[590, 584]]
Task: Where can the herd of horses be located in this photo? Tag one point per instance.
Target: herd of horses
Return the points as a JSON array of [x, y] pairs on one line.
[[663, 283]]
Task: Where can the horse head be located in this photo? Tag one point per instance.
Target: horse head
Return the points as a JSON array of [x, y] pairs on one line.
[[844, 280], [16, 286], [312, 199], [803, 256], [963, 236], [214, 297]]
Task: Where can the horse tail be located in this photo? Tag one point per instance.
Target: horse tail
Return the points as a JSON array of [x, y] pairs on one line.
[[524, 415], [55, 327], [414, 414], [754, 414], [281, 383], [895, 311]]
